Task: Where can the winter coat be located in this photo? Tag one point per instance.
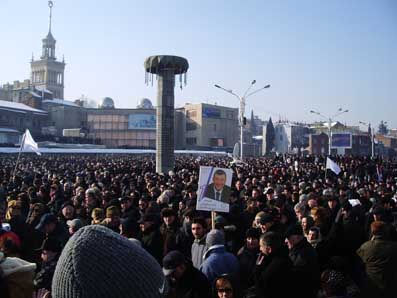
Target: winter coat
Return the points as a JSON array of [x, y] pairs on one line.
[[218, 261], [198, 249], [171, 238], [152, 241], [247, 260], [18, 275], [380, 259], [43, 278], [192, 284], [306, 268], [272, 275]]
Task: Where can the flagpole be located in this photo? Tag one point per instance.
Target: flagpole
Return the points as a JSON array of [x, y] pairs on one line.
[[19, 154]]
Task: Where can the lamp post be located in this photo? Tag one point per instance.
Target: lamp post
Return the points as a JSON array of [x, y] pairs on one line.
[[330, 119], [242, 100], [372, 134]]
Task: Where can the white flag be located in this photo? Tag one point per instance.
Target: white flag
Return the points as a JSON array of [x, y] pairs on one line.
[[333, 166], [28, 143]]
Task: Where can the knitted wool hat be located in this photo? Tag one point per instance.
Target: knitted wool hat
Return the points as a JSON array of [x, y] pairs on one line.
[[96, 262]]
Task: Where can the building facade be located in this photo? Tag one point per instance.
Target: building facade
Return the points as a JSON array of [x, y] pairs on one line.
[[207, 126]]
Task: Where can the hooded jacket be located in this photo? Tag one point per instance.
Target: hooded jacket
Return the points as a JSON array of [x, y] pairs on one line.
[[18, 275], [218, 261]]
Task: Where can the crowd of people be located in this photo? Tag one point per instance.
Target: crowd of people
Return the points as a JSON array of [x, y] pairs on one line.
[[110, 226]]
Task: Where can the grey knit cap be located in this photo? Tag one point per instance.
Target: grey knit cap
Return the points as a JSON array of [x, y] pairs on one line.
[[97, 262], [215, 237]]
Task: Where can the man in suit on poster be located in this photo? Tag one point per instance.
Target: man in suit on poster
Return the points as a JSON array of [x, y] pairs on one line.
[[218, 190]]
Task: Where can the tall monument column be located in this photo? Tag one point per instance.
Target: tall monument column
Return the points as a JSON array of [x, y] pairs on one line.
[[165, 68]]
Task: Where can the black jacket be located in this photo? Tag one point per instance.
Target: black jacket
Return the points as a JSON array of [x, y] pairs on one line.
[[274, 276], [152, 241], [193, 284]]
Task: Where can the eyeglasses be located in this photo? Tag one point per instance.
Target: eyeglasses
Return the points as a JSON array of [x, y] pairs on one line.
[[225, 290]]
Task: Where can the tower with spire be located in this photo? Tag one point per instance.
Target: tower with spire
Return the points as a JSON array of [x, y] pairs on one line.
[[48, 73]]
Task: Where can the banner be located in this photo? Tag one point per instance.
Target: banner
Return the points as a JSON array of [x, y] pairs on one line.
[[214, 189]]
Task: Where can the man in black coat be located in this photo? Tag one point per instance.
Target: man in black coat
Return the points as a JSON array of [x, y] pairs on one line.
[[274, 268], [305, 261], [185, 280], [218, 190]]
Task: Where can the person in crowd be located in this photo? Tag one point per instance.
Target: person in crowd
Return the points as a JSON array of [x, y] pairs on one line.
[[150, 236], [97, 216], [51, 228], [199, 247], [247, 257], [17, 277], [36, 211], [226, 286], [128, 210], [217, 260], [184, 279], [74, 225], [307, 222], [112, 219], [50, 252], [170, 230], [379, 256], [305, 261], [273, 268]]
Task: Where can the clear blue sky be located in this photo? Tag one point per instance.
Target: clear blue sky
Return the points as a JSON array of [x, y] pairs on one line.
[[316, 54]]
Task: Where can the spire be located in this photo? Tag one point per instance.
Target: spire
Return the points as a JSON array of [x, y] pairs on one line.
[[50, 5], [49, 41]]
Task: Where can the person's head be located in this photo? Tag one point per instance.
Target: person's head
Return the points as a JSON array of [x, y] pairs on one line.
[[319, 214], [83, 267], [300, 210], [215, 237], [333, 283], [252, 238], [97, 215], [219, 179], [13, 209], [47, 224], [269, 243], [307, 222], [332, 202], [314, 234], [50, 249], [90, 198], [125, 203], [266, 222], [174, 265], [294, 236], [224, 288], [379, 230], [199, 227], [146, 222], [74, 225], [113, 215], [168, 215], [143, 204], [67, 211]]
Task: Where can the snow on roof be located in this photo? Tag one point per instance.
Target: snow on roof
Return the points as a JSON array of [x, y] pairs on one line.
[[34, 94], [61, 102], [43, 89], [20, 107], [2, 129]]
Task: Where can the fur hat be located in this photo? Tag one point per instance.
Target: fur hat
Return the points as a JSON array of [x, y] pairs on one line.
[[97, 262]]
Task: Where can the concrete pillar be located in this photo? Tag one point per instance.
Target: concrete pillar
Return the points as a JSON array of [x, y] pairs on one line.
[[165, 121]]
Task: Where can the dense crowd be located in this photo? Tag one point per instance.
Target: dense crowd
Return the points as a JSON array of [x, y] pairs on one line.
[[109, 226]]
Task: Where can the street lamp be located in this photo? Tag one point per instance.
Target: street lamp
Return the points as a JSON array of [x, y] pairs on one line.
[[330, 120], [242, 100], [372, 133]]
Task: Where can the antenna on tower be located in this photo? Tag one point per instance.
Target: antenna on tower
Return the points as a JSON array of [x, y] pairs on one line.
[[50, 5]]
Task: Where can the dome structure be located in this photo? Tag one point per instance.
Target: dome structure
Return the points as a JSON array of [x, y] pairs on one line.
[[145, 103], [107, 103]]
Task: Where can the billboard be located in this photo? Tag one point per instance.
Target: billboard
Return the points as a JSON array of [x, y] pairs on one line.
[[341, 140], [141, 121], [211, 112]]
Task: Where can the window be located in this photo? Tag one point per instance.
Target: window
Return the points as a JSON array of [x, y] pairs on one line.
[[214, 127], [191, 126], [191, 141], [281, 137]]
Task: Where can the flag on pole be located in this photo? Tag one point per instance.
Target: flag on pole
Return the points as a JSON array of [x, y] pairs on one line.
[[333, 166], [28, 143]]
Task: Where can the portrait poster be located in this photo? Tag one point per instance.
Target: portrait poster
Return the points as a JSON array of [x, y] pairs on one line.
[[214, 189]]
